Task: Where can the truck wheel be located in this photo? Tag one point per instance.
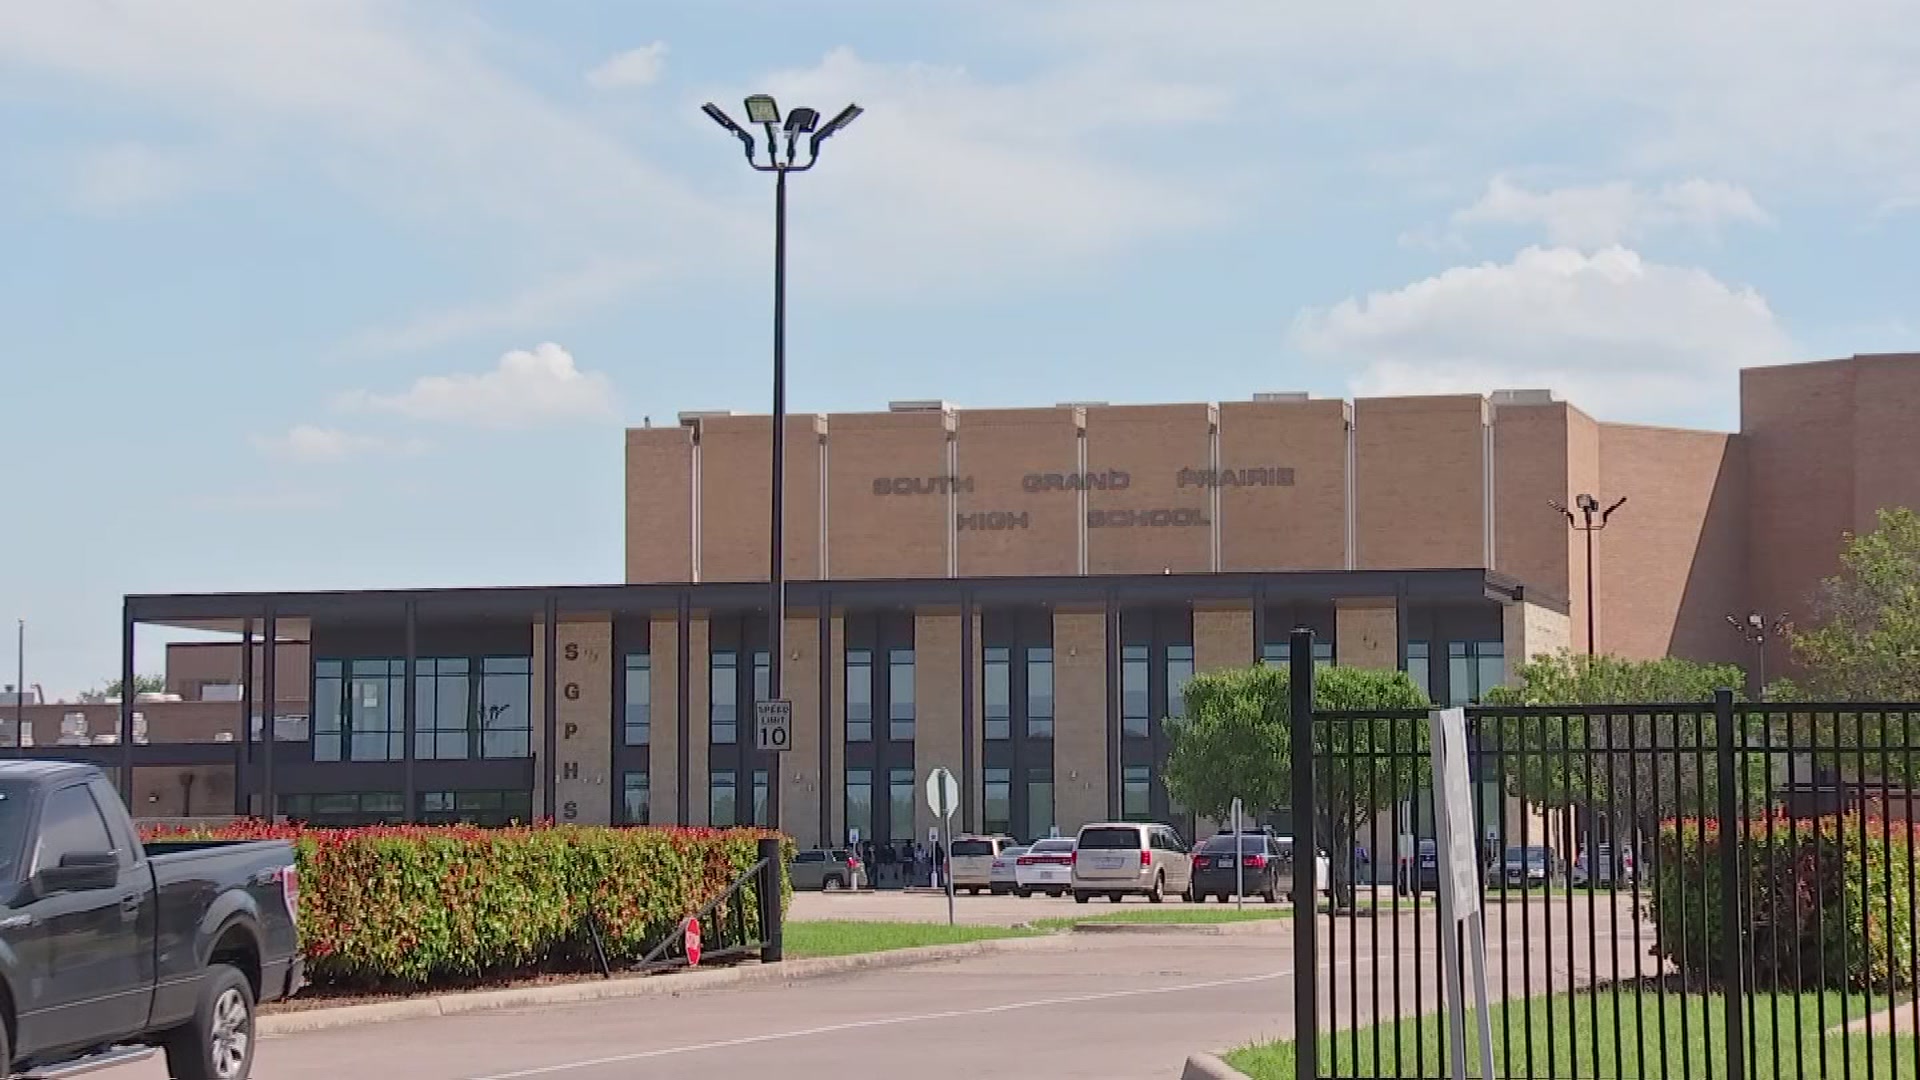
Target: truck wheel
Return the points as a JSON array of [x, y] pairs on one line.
[[217, 1044]]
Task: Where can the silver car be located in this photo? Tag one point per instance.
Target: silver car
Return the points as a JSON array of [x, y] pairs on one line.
[[1113, 859], [825, 870]]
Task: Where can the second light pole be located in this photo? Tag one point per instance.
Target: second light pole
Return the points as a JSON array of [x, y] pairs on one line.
[[780, 160], [1586, 523]]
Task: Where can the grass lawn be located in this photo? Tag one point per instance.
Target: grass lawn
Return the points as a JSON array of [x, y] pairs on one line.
[[837, 937], [1189, 914], [1562, 1029]]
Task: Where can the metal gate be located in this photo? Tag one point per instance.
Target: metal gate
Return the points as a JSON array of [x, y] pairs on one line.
[[1696, 890]]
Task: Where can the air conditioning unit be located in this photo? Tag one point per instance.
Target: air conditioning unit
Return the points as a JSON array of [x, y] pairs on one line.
[[73, 729]]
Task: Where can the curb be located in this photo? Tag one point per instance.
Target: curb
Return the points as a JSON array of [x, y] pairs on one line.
[[1250, 926], [749, 974], [1208, 1067]]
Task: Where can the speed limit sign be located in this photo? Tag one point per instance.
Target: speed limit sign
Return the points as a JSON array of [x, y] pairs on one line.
[[773, 725], [693, 942]]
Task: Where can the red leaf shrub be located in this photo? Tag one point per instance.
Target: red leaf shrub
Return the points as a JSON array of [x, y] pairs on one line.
[[419, 905]]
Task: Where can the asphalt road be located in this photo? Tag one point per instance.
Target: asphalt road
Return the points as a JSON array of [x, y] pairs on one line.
[[1082, 1005]]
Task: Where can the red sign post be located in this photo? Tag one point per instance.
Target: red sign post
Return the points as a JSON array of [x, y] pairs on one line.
[[693, 942]]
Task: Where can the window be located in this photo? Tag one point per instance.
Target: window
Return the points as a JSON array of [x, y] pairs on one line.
[[375, 726], [1133, 690], [762, 682], [721, 804], [1179, 672], [442, 721], [859, 804], [1039, 693], [636, 798], [491, 809], [326, 710], [859, 698], [997, 693], [1419, 667], [343, 809], [900, 696], [1134, 802], [723, 692], [1040, 801], [997, 814], [1279, 653], [639, 709], [506, 723], [70, 823], [899, 804], [1473, 668], [761, 815]]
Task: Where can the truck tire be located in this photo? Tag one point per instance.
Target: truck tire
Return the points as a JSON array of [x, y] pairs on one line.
[[6, 1052], [217, 1044]]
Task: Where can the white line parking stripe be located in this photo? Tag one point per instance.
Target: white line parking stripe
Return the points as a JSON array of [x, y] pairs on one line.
[[985, 1010]]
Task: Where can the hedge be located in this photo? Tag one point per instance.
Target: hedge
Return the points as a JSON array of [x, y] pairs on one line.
[[412, 906], [1817, 906]]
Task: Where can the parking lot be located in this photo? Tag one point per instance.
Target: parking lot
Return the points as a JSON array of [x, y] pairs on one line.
[[917, 906]]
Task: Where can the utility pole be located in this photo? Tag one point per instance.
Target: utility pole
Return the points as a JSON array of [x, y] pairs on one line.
[[1586, 523]]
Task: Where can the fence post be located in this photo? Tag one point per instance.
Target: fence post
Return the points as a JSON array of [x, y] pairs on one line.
[[1733, 933], [769, 893], [1306, 861]]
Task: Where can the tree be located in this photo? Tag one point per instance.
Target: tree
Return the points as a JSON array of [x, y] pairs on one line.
[[1236, 741], [142, 684], [1867, 644]]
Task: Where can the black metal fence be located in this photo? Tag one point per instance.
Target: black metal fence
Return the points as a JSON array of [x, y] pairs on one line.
[[1695, 890]]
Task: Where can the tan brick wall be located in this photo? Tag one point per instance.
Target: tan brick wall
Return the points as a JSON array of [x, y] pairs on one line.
[[697, 722], [1222, 638], [735, 459], [584, 715], [1530, 464], [175, 791], [537, 705], [881, 536], [1366, 633], [801, 784], [1080, 719], [1280, 527], [836, 729], [997, 448], [1672, 562], [659, 505], [936, 705], [977, 803], [1419, 487], [663, 753], [193, 664], [1151, 443], [1532, 630]]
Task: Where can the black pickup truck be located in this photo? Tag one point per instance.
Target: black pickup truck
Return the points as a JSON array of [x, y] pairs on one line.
[[110, 948]]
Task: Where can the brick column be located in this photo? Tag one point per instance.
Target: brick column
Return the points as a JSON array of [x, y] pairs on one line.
[[936, 708], [663, 753], [801, 786], [1079, 718], [1222, 639], [697, 728], [1366, 633]]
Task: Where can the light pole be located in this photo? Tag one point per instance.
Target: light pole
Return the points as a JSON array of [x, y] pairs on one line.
[[20, 681], [762, 110], [1586, 523], [1755, 629]]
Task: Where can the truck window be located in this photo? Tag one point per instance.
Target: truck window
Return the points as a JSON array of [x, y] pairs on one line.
[[125, 844], [70, 823], [13, 827]]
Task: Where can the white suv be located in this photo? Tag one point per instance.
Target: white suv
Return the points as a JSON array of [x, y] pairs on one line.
[[1119, 857]]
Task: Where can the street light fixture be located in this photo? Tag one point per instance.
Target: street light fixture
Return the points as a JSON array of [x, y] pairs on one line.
[[1586, 523], [764, 111], [1755, 629]]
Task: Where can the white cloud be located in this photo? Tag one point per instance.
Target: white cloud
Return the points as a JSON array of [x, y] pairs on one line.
[[534, 309], [1605, 214], [129, 175], [1620, 336], [635, 67], [527, 388], [318, 445]]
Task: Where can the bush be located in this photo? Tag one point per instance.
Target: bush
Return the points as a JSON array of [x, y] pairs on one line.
[[1817, 908], [417, 906]]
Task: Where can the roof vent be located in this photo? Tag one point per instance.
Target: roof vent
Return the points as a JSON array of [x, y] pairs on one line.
[[1523, 397], [1281, 395], [930, 405], [694, 416]]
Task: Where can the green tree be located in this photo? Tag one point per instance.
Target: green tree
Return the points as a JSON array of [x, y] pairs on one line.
[[1236, 741], [1866, 645], [142, 684]]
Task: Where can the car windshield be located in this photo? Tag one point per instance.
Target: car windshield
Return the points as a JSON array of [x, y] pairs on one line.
[[1529, 854], [1224, 842], [1008, 853], [1110, 838], [13, 825], [1051, 847], [965, 848]]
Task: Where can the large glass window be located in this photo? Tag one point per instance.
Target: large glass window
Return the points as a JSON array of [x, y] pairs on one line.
[[1420, 667], [442, 713], [722, 806], [506, 722], [860, 698], [899, 804], [1473, 668], [491, 809], [1039, 693], [1179, 673], [326, 710], [996, 693], [639, 707], [762, 812], [723, 698], [375, 724], [900, 696], [1135, 805], [636, 798], [1133, 690], [762, 682], [1040, 801], [860, 804], [1280, 653], [343, 809], [997, 813]]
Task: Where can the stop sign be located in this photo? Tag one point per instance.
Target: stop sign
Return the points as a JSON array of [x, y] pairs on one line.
[[693, 942]]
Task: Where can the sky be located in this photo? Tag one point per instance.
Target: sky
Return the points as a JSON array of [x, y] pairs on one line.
[[359, 293]]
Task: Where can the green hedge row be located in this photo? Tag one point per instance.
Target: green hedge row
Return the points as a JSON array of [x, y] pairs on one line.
[[1828, 901], [419, 906]]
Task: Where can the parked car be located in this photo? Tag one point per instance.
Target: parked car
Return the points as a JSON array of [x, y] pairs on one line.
[[109, 948], [1046, 867], [972, 860], [1322, 869], [1003, 878], [1526, 867], [1419, 871], [1256, 863], [1610, 872], [825, 869], [1122, 857]]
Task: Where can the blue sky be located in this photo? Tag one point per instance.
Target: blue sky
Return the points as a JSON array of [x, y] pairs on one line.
[[350, 293]]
